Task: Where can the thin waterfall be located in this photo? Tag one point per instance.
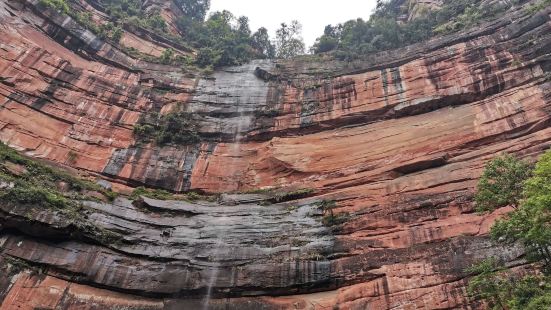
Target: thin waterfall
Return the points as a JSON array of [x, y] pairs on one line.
[[246, 94], [213, 274]]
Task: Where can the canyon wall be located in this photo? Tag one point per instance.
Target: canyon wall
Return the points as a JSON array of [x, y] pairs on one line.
[[397, 140]]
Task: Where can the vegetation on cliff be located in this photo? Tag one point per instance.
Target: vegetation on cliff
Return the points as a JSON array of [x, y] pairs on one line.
[[29, 181], [529, 225], [36, 187], [386, 29], [160, 194], [172, 128], [501, 183], [58, 5], [222, 39], [225, 40], [288, 40], [105, 31]]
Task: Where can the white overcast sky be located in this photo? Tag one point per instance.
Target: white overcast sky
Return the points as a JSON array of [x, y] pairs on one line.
[[313, 14]]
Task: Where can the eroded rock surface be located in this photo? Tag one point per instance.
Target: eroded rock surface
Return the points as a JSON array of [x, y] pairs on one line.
[[397, 140]]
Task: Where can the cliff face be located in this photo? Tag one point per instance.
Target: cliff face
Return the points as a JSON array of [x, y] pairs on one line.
[[397, 140]]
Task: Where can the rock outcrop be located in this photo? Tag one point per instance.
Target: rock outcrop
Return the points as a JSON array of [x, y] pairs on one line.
[[397, 141]]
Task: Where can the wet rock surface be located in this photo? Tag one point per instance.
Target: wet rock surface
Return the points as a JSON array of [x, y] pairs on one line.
[[164, 248], [395, 141]]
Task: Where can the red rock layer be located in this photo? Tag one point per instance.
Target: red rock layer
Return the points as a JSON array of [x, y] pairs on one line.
[[397, 140]]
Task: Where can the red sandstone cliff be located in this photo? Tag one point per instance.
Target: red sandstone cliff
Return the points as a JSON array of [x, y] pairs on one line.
[[397, 140]]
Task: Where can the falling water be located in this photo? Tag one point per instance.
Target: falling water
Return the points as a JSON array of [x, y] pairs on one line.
[[246, 92], [241, 86], [213, 274]]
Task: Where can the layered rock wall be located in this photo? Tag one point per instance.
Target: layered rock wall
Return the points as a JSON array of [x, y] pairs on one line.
[[397, 140]]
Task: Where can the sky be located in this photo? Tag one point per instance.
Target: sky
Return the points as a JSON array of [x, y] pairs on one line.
[[314, 15]]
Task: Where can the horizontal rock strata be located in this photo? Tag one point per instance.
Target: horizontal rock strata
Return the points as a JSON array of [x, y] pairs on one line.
[[397, 141]]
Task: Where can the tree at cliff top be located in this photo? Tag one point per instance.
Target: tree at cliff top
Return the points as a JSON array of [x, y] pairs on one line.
[[225, 40], [288, 41], [261, 42], [194, 9], [384, 30]]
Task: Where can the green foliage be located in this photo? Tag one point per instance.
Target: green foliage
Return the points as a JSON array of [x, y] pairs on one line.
[[530, 293], [122, 9], [225, 40], [327, 205], [144, 131], [325, 44], [267, 113], [161, 194], [208, 56], [488, 283], [260, 42], [530, 224], [194, 9], [151, 21], [40, 181], [167, 56], [288, 41], [533, 9], [173, 128], [297, 194], [14, 265], [36, 186], [104, 31], [37, 196], [221, 40], [58, 5], [383, 31], [501, 183], [132, 12], [155, 21], [504, 290], [330, 219], [151, 193]]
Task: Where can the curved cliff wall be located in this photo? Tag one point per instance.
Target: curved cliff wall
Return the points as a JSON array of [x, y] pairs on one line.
[[397, 140]]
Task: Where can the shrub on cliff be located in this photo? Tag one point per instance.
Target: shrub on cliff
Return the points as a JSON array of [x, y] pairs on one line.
[[506, 290], [38, 183], [58, 5], [529, 225], [173, 128], [105, 31], [489, 283], [177, 128], [39, 196], [501, 183], [132, 12], [542, 4], [167, 56], [35, 189]]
